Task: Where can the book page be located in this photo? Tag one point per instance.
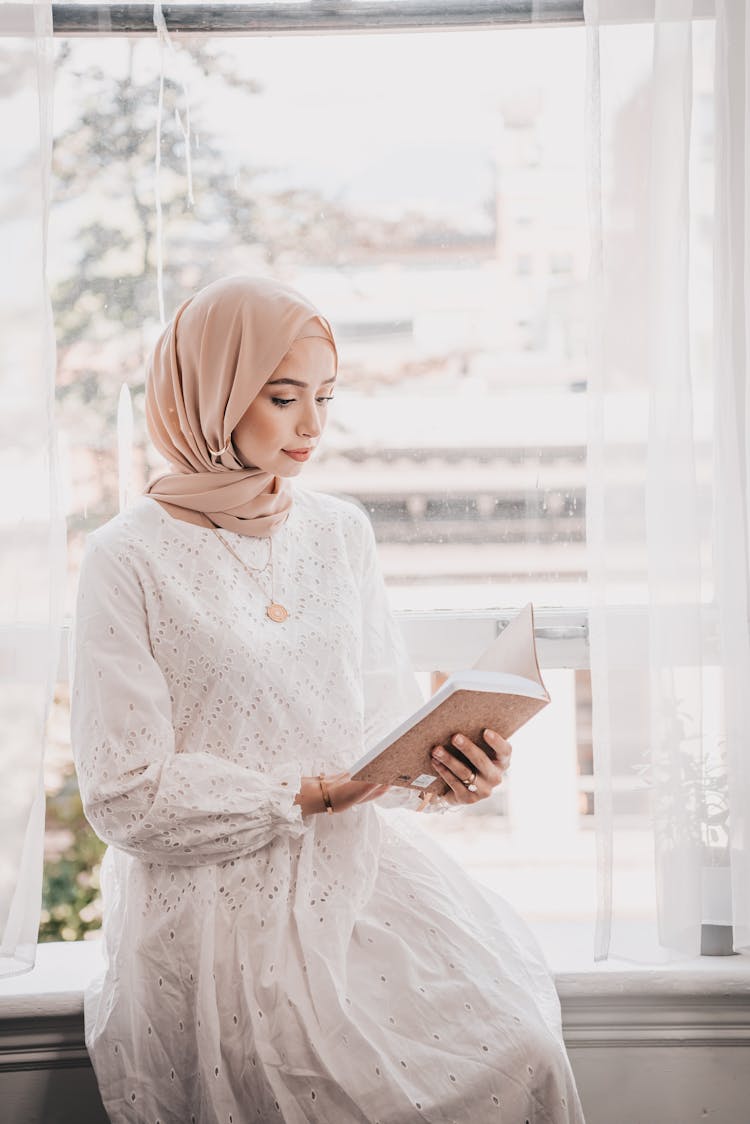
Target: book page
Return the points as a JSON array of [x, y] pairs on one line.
[[514, 649]]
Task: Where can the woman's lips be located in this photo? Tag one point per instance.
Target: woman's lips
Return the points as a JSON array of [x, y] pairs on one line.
[[297, 454]]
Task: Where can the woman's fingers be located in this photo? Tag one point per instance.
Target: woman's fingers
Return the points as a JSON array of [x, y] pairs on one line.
[[486, 774], [479, 759], [502, 747], [496, 741], [457, 787], [493, 766], [482, 766], [457, 768]]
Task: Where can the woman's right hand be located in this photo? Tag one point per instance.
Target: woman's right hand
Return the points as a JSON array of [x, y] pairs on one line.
[[342, 792]]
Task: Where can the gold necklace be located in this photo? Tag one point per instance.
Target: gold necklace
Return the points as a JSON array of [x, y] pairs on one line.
[[274, 611]]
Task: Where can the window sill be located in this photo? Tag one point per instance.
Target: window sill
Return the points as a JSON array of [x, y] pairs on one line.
[[705, 1001]]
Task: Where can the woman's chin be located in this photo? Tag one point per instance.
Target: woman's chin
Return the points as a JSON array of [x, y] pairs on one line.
[[292, 468], [277, 466]]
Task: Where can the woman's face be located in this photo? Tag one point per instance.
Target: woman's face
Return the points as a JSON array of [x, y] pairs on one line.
[[289, 415]]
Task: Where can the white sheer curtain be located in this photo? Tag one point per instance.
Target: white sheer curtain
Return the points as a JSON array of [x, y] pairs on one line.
[[732, 292], [667, 475], [33, 523]]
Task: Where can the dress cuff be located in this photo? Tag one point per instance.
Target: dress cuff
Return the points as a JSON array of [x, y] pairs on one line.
[[284, 783]]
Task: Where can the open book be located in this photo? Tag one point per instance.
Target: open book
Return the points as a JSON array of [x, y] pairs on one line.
[[502, 691]]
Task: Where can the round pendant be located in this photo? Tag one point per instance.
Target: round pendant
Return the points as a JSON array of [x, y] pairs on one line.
[[276, 612]]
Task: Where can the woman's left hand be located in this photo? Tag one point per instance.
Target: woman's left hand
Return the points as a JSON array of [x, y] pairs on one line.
[[487, 774]]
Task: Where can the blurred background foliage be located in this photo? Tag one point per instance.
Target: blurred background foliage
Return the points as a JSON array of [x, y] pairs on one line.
[[71, 905]]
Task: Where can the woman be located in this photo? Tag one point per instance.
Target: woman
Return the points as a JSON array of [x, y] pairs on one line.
[[282, 943]]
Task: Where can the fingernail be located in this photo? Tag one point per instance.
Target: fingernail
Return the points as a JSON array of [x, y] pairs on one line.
[[488, 735], [438, 752], [459, 740]]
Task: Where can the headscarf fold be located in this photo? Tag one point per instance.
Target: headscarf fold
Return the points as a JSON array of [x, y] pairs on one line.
[[214, 357]]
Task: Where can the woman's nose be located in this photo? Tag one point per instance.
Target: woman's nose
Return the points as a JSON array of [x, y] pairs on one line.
[[309, 424]]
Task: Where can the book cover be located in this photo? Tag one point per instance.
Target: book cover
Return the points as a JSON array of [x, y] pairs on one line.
[[502, 691]]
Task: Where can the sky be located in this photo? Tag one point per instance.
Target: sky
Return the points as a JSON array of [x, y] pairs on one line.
[[379, 119], [401, 111]]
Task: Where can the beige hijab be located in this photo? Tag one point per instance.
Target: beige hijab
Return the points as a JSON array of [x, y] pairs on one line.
[[208, 365]]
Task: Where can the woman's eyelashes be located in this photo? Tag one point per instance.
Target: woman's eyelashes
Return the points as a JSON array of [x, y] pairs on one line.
[[287, 401]]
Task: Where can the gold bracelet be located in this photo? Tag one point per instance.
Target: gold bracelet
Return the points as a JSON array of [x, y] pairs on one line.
[[326, 795]]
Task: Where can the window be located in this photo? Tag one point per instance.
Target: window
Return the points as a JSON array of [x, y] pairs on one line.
[[422, 226]]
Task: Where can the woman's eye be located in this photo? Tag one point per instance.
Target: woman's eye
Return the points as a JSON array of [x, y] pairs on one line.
[[281, 401], [329, 399]]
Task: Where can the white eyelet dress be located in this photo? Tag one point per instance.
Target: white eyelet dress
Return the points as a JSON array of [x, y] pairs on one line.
[[261, 966]]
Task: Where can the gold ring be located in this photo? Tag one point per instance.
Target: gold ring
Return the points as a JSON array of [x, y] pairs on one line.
[[470, 783]]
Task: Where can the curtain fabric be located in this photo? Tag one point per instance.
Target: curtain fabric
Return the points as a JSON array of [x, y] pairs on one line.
[[33, 522], [732, 405], [667, 475]]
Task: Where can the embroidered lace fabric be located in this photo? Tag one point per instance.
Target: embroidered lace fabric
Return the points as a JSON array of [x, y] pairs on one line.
[[262, 967]]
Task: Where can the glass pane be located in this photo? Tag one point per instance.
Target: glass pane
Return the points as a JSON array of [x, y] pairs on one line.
[[436, 214], [442, 229]]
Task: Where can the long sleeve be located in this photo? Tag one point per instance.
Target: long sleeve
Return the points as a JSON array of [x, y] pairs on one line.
[[140, 792]]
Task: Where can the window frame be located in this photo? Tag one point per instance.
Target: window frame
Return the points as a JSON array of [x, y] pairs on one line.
[[316, 17], [436, 640]]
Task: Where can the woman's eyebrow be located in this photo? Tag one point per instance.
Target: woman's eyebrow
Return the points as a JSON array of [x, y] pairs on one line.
[[296, 382]]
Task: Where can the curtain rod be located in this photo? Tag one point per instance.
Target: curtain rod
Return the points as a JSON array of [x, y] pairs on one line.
[[313, 17]]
